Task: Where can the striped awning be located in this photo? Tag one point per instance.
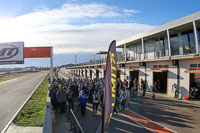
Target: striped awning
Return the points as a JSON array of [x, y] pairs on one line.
[[158, 70], [133, 69], [197, 77], [192, 71]]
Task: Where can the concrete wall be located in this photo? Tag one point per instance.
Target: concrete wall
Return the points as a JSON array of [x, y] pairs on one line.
[[185, 77], [172, 74]]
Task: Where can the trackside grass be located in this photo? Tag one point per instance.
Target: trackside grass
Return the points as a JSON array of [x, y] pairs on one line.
[[34, 111], [9, 77]]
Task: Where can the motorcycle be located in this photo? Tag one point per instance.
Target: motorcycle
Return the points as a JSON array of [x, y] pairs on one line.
[[196, 92]]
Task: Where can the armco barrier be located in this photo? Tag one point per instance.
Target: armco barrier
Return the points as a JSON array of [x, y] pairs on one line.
[[47, 126]]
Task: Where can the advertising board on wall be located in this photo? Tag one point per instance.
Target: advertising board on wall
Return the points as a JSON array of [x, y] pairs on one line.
[[11, 53]]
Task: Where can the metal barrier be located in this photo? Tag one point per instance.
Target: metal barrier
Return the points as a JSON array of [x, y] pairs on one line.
[[75, 126]]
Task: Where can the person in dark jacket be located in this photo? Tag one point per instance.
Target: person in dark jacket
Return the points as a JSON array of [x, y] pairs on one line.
[[52, 95], [135, 88], [70, 98], [143, 86], [61, 98], [154, 90]]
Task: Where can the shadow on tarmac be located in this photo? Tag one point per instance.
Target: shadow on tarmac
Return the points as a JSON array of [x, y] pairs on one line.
[[118, 123], [171, 113]]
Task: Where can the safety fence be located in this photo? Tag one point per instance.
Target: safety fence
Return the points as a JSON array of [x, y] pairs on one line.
[[75, 126]]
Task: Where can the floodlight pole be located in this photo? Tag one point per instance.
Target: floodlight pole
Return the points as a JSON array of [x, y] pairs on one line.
[[51, 64], [75, 58]]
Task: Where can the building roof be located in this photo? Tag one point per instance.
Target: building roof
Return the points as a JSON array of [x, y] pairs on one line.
[[181, 21], [102, 52]]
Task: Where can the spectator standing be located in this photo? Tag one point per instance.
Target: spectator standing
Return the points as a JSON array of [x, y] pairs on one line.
[[83, 101], [176, 90], [135, 88], [132, 89], [158, 86], [143, 86], [52, 95], [95, 102], [122, 99], [61, 98], [154, 90], [130, 85], [70, 98], [125, 83], [128, 97]]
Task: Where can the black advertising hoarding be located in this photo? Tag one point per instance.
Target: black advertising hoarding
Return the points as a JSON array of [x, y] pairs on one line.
[[11, 53]]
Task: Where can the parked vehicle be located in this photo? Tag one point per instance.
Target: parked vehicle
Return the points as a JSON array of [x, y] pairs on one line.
[[195, 91]]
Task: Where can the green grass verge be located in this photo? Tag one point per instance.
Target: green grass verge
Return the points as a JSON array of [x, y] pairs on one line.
[[9, 77], [34, 111]]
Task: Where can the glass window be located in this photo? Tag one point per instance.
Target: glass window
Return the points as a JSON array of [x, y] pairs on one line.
[[199, 38], [155, 66], [199, 35], [166, 49], [149, 50], [159, 48], [193, 65], [162, 45], [166, 66], [138, 51], [174, 41], [188, 42]]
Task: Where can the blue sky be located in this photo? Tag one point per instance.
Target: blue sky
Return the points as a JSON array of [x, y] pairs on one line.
[[83, 27]]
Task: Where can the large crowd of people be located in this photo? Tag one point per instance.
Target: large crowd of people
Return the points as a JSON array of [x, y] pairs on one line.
[[65, 92]]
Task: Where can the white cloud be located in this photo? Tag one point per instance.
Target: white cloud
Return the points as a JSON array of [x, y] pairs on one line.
[[130, 12], [55, 27]]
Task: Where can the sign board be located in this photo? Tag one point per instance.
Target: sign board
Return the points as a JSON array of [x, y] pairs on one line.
[[11, 53], [37, 52]]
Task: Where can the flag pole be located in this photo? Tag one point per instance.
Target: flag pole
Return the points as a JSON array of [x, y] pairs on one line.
[[103, 113]]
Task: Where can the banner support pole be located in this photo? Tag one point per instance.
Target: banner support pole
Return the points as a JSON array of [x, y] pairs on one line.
[[103, 114], [51, 64]]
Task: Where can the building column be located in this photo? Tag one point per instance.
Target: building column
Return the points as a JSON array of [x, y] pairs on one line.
[[143, 48], [125, 52], [169, 45], [196, 37]]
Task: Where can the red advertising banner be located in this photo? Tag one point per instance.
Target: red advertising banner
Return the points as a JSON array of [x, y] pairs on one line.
[[37, 52]]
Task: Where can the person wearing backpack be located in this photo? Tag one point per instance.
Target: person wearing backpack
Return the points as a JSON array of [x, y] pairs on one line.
[[122, 99], [95, 103], [61, 98]]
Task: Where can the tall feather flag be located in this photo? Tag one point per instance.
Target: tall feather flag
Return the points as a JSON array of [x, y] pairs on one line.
[[110, 87]]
